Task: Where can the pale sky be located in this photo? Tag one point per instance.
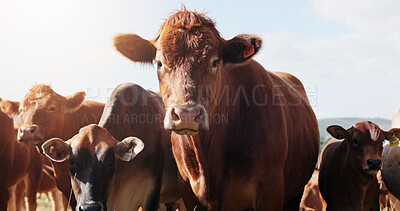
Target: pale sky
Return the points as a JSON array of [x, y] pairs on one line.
[[346, 52]]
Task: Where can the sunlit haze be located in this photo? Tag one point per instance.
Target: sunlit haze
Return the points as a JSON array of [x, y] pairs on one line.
[[347, 53]]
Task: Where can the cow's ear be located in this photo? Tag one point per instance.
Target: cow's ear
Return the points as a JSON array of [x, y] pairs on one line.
[[135, 48], [56, 149], [241, 48], [74, 101], [337, 132], [11, 108], [391, 132], [128, 148]]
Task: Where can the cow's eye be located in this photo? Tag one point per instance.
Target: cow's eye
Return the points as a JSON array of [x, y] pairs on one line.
[[357, 145], [215, 64], [73, 167], [158, 64], [161, 68], [52, 109]]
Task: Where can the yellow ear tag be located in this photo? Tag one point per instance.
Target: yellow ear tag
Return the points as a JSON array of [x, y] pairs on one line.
[[394, 141]]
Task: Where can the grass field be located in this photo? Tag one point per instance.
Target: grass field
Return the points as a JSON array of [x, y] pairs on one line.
[[44, 203]]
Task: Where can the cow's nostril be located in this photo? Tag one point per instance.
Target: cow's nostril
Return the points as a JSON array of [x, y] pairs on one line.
[[175, 116], [198, 117], [374, 164]]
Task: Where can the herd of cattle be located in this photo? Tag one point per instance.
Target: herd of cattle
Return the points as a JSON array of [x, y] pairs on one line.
[[143, 149]]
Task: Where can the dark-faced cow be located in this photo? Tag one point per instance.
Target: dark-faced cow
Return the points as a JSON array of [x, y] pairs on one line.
[[93, 155], [243, 137], [99, 161], [349, 164], [46, 114]]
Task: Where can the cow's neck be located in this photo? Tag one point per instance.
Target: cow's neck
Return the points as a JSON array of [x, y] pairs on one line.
[[224, 137], [74, 121]]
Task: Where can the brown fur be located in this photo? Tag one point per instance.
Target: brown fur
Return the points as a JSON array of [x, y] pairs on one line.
[[264, 155], [17, 162]]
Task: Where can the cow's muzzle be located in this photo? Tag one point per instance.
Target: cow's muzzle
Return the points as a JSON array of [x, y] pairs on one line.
[[29, 133], [93, 206], [374, 164], [186, 119]]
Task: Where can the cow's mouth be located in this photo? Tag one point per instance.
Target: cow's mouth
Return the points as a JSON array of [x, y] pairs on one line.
[[371, 172], [32, 141], [186, 131]]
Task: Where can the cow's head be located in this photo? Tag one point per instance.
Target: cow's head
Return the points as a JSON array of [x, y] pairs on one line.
[[42, 113], [190, 56], [92, 156], [365, 144]]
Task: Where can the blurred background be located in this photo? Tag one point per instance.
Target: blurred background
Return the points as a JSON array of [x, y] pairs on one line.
[[346, 52]]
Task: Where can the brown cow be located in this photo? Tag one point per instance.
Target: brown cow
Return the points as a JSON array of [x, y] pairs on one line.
[[46, 114], [243, 137], [348, 167], [145, 181], [17, 162], [28, 154]]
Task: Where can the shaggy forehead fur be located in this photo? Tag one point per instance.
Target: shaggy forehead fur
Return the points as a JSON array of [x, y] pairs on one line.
[[40, 93], [370, 129], [187, 37]]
